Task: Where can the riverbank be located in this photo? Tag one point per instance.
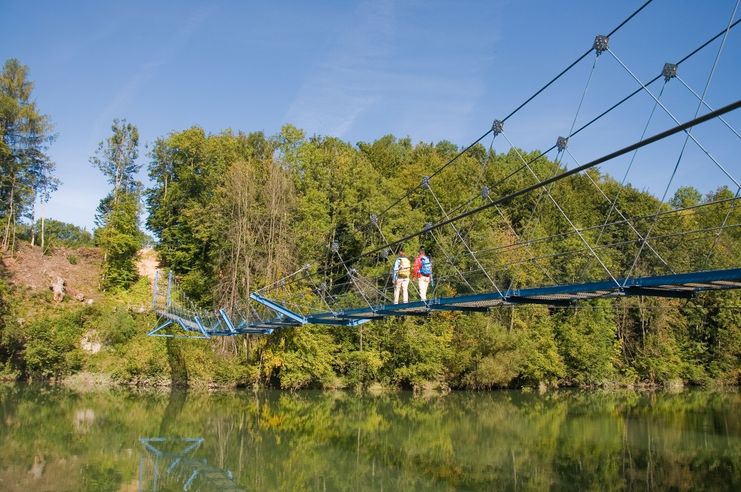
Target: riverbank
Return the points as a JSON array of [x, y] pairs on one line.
[[87, 381], [99, 338]]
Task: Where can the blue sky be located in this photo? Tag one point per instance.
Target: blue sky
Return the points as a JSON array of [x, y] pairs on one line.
[[430, 70]]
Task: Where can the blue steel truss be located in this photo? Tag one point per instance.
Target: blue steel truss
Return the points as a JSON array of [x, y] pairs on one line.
[[191, 326]]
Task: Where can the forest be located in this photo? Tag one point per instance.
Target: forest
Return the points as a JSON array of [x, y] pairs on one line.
[[234, 211]]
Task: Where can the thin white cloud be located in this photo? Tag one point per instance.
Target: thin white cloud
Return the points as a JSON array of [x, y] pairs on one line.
[[363, 78], [347, 83], [128, 91]]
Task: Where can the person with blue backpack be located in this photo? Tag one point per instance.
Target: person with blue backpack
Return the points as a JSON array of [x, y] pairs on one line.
[[423, 273]]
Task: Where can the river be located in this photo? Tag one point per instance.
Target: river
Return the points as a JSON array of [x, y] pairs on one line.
[[116, 440]]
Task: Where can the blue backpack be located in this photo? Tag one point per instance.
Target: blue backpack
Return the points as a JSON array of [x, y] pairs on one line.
[[426, 268]]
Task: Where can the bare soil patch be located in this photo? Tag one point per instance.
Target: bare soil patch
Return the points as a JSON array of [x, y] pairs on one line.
[[79, 267], [147, 263]]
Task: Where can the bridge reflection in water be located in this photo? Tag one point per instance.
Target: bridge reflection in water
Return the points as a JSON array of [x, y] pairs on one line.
[[172, 464]]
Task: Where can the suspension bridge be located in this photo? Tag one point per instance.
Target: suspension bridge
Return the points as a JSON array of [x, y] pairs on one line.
[[474, 275]]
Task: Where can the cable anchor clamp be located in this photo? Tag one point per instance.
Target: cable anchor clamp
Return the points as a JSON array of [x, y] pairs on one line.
[[562, 143], [426, 182], [497, 127], [335, 246], [485, 192], [669, 71], [374, 219], [601, 44]]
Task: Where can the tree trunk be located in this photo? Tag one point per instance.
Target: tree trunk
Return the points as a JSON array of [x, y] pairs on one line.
[[43, 226], [11, 216], [33, 223]]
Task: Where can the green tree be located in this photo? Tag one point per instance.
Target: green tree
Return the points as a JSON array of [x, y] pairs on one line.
[[118, 213], [121, 239], [116, 157], [26, 172]]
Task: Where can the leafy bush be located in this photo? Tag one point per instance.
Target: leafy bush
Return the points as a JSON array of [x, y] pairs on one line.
[[117, 327], [52, 346], [363, 368]]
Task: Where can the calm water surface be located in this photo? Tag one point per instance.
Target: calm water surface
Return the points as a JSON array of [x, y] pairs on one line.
[[52, 439]]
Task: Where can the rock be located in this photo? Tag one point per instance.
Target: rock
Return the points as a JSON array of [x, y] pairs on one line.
[[37, 469], [80, 297], [57, 287], [90, 342], [84, 420], [89, 302]]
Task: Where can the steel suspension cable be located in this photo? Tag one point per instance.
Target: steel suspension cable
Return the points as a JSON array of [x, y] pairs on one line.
[[717, 236], [622, 216], [574, 252], [565, 215], [575, 62], [561, 144], [688, 124], [626, 98], [465, 244], [689, 135], [452, 263], [705, 103], [522, 105], [563, 235], [608, 157], [352, 278], [629, 167], [688, 132]]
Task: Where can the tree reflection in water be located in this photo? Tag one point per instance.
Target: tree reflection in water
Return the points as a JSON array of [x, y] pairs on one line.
[[505, 440]]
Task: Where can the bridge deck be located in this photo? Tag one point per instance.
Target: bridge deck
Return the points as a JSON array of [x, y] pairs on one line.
[[683, 285]]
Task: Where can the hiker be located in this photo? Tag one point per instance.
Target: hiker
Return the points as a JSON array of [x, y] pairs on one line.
[[422, 272], [400, 275]]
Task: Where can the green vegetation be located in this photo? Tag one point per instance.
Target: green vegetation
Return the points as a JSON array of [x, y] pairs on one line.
[[55, 233], [233, 212], [237, 211]]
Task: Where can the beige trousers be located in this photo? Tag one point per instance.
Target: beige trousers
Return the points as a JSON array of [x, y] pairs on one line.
[[402, 284], [424, 283]]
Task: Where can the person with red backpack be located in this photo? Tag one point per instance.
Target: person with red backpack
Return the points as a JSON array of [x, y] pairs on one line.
[[423, 273], [400, 275]]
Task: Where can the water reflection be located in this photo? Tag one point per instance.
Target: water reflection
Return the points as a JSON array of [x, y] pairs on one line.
[[57, 440], [173, 463]]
